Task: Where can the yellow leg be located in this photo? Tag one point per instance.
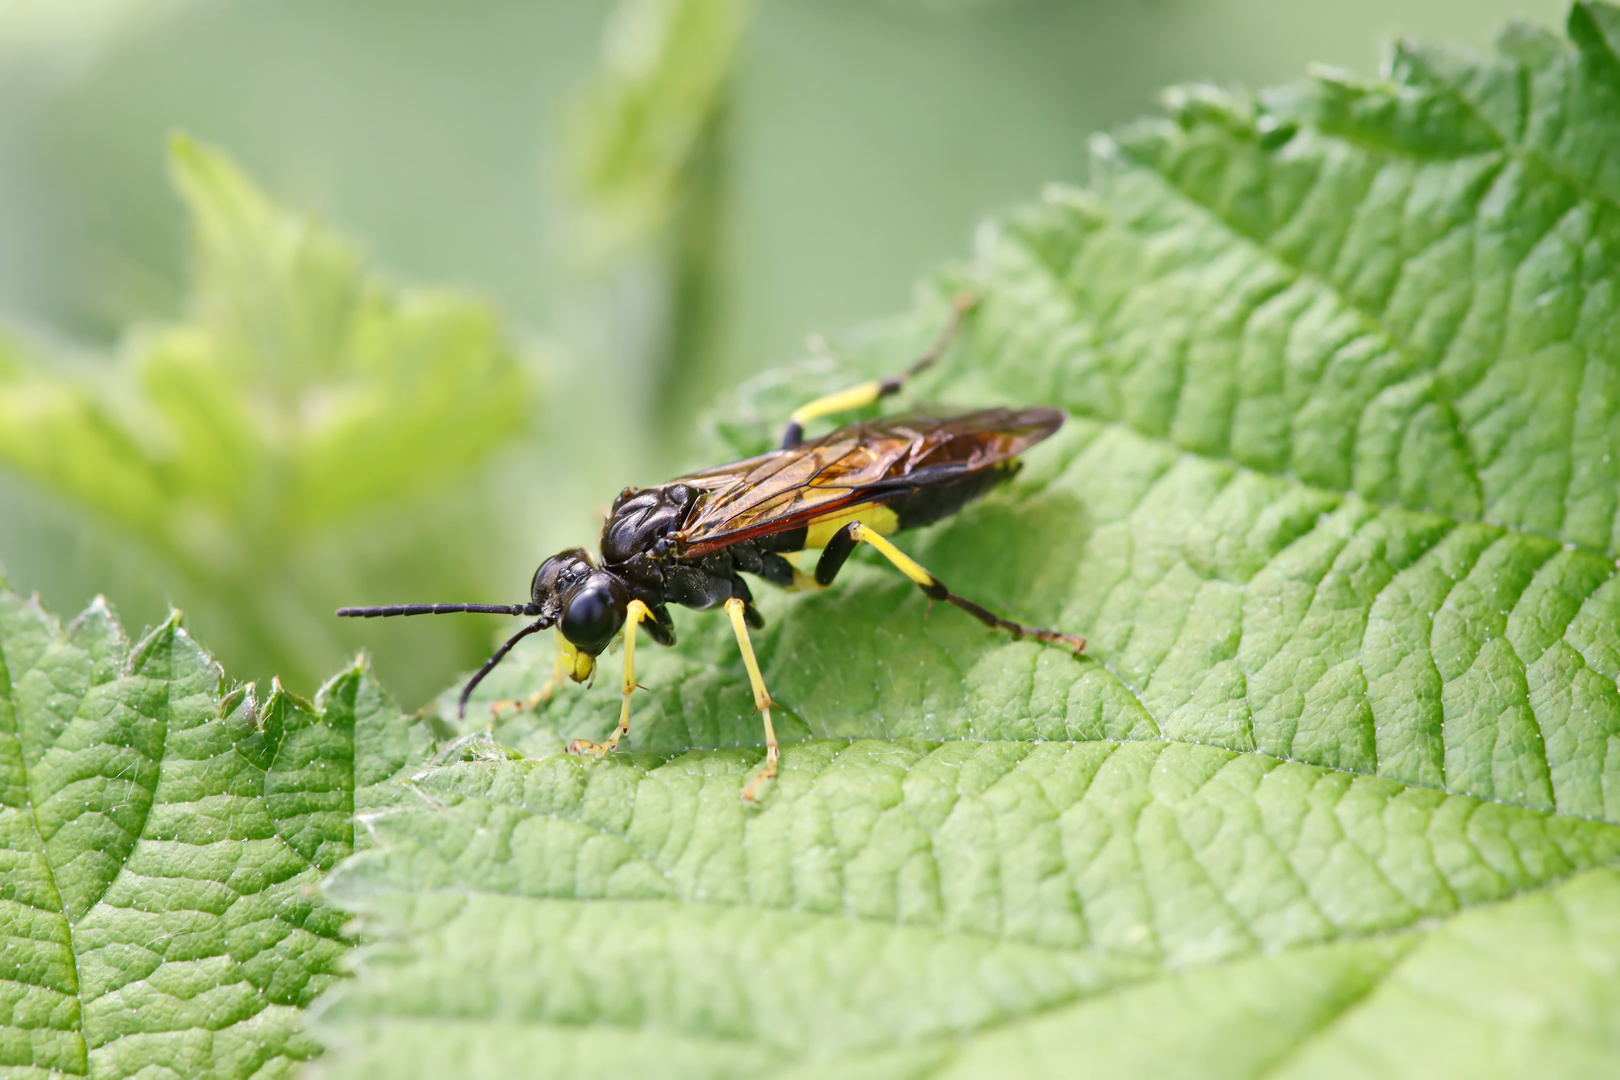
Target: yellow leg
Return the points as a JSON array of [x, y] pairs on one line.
[[936, 590], [852, 398], [762, 699], [902, 562], [637, 612], [866, 393], [570, 664]]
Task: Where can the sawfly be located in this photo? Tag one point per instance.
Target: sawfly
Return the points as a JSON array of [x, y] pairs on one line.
[[689, 541]]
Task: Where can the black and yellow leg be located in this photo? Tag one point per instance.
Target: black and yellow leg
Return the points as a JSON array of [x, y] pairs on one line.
[[782, 573], [637, 612], [844, 541], [835, 554], [868, 392], [570, 664], [736, 610]]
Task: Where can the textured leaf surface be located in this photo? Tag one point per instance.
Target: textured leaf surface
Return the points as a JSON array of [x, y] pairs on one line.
[[161, 846], [1334, 790]]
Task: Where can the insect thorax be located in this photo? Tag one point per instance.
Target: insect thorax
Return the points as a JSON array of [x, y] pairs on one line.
[[638, 546], [643, 520]]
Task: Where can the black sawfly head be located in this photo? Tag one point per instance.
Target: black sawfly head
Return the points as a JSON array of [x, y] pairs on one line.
[[568, 591], [587, 603]]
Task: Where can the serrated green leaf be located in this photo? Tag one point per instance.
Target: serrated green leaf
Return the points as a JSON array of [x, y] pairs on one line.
[[162, 842], [898, 892], [1333, 790]]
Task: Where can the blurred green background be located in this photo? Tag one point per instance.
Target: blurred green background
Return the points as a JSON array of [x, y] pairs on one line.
[[478, 266]]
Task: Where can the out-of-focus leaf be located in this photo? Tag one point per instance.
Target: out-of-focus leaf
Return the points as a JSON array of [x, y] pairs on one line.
[[300, 394], [635, 131], [161, 842], [350, 393], [1334, 790]]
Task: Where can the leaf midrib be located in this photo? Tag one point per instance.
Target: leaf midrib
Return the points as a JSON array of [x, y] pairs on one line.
[[949, 1040], [44, 850], [1346, 497]]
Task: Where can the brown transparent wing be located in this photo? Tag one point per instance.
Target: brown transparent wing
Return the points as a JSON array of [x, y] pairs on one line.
[[860, 463]]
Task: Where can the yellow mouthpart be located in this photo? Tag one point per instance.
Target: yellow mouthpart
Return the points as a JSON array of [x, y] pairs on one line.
[[578, 665]]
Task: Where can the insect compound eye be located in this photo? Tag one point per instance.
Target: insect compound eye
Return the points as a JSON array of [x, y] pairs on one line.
[[593, 614], [557, 573]]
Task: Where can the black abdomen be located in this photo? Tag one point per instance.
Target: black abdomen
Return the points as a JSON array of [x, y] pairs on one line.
[[934, 502]]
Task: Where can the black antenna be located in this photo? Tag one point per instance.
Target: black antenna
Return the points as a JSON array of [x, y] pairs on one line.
[[489, 665], [436, 609], [455, 609]]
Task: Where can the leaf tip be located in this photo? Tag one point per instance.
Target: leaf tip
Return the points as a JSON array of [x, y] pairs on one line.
[[230, 701], [1596, 25], [188, 160], [151, 641], [180, 144], [280, 695]]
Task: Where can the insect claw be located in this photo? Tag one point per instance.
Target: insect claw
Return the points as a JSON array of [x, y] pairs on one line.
[[521, 705], [586, 748], [750, 793]]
